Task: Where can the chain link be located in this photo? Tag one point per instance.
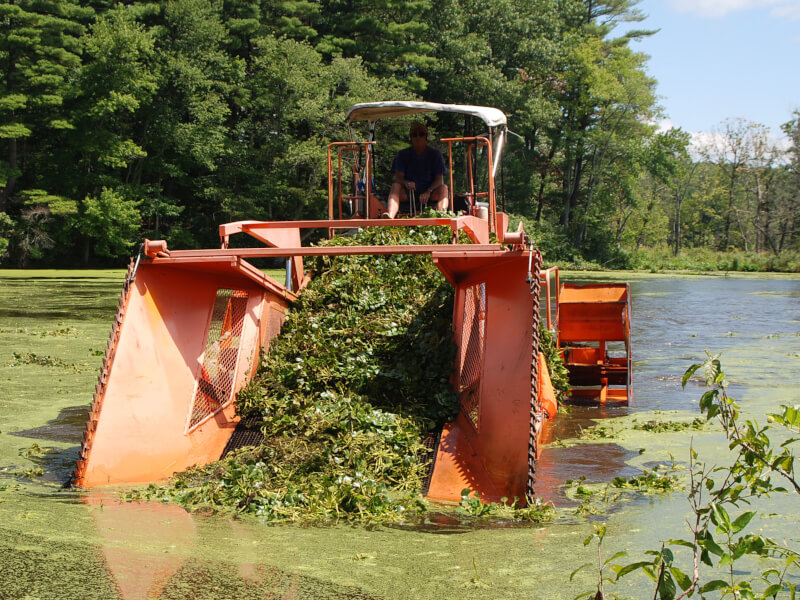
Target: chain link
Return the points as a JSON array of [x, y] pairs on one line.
[[534, 268]]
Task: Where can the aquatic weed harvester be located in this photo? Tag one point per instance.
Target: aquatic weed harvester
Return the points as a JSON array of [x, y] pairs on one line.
[[191, 325]]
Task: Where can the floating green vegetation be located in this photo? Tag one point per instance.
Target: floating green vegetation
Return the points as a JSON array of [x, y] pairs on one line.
[[660, 479], [29, 358], [34, 451], [592, 498], [599, 432], [21, 359], [671, 426], [535, 512], [604, 431], [8, 485], [61, 332], [33, 473], [358, 376], [595, 498]]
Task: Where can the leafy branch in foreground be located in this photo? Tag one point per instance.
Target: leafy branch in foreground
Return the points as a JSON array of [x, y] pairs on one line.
[[716, 495]]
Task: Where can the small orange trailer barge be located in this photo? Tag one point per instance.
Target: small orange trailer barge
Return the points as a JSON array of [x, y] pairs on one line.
[[192, 323]]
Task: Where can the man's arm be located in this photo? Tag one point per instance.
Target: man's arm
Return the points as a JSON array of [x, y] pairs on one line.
[[437, 182], [400, 177]]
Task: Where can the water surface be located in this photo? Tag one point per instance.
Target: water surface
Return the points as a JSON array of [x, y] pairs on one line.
[[57, 543]]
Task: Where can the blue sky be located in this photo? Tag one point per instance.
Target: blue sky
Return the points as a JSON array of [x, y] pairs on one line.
[[715, 59]]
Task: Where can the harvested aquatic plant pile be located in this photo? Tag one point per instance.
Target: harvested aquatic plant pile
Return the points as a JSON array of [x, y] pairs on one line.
[[357, 377], [359, 374]]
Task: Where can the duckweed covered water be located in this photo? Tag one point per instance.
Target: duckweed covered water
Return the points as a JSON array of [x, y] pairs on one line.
[[57, 543]]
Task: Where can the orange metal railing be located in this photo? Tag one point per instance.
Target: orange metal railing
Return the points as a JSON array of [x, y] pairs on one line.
[[478, 141], [355, 148]]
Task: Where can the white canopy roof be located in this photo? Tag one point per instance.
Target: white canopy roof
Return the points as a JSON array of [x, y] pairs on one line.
[[372, 111]]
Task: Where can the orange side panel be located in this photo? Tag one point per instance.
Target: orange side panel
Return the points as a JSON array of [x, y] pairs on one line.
[[497, 444], [594, 292], [547, 395], [585, 331], [458, 467], [141, 433], [585, 356], [591, 311]]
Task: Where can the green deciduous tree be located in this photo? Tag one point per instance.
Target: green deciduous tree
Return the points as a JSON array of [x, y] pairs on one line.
[[110, 221]]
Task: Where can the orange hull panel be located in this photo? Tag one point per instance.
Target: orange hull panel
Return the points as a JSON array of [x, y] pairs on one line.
[[142, 432], [486, 448]]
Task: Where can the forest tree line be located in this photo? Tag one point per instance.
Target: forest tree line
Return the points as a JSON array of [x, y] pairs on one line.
[[164, 118]]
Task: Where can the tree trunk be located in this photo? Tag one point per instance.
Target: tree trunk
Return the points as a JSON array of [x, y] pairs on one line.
[[542, 180], [87, 246], [676, 246], [728, 215], [571, 181], [8, 190]]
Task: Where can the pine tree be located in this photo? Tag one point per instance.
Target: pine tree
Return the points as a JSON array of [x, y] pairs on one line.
[[40, 49]]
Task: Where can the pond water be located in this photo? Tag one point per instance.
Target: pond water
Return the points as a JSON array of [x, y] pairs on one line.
[[57, 543]]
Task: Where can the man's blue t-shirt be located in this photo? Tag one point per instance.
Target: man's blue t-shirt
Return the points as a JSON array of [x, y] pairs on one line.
[[422, 169]]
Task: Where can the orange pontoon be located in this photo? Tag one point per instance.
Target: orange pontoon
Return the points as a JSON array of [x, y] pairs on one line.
[[191, 325]]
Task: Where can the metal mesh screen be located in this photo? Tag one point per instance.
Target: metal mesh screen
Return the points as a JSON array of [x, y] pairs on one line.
[[471, 348], [215, 385], [274, 323]]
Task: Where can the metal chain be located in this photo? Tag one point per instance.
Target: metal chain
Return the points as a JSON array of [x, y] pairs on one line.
[[534, 267]]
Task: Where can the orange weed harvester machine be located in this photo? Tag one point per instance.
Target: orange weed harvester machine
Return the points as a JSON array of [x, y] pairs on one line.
[[191, 324]]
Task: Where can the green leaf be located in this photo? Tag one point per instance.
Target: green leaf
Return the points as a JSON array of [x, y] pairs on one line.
[[683, 580], [742, 521], [707, 400], [705, 558], [617, 555], [621, 572], [709, 544], [772, 590], [714, 585], [721, 518], [684, 543], [689, 372], [666, 588], [583, 566], [784, 462]]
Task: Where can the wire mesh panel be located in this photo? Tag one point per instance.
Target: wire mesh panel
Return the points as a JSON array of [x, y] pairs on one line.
[[471, 348], [215, 385], [274, 324]]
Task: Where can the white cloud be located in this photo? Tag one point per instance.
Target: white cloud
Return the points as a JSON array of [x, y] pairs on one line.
[[701, 141], [784, 9], [787, 10], [665, 125]]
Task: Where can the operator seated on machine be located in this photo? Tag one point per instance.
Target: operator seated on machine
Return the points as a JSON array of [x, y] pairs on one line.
[[419, 168]]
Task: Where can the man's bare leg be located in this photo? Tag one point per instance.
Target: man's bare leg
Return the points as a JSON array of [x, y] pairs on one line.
[[439, 198], [397, 195]]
